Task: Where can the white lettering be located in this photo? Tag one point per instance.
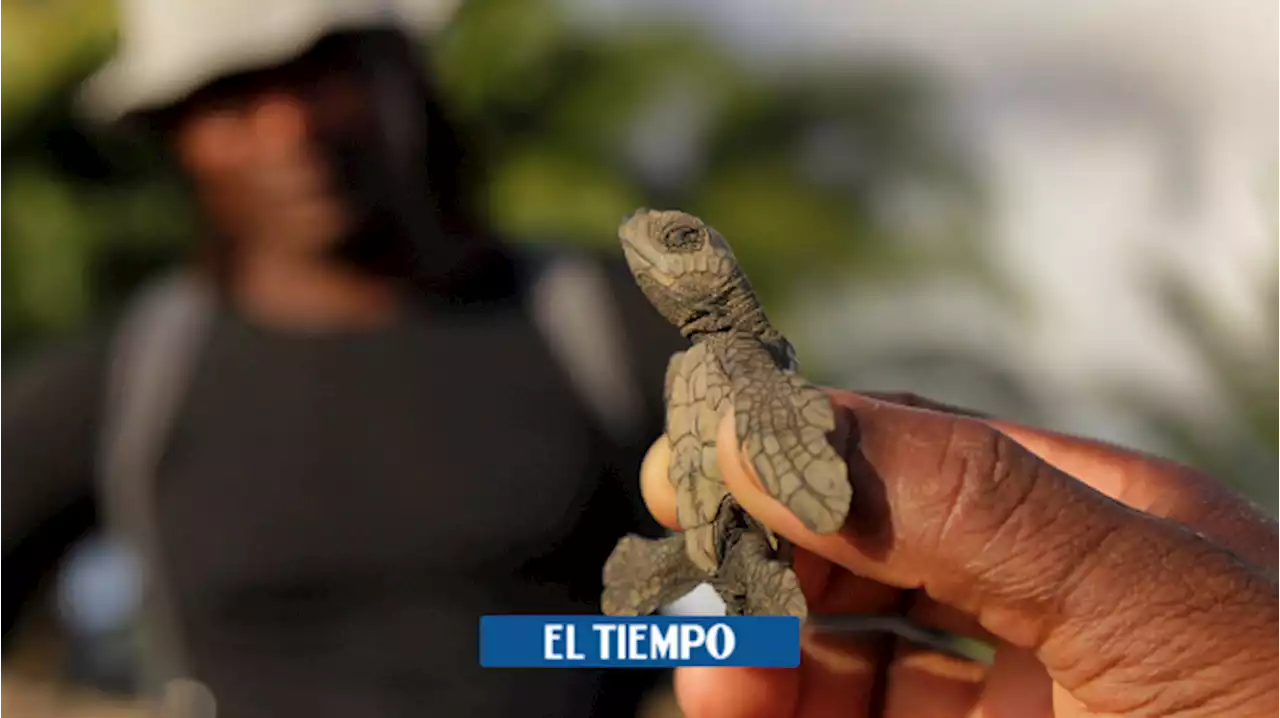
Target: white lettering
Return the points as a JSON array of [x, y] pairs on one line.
[[691, 636], [570, 644], [636, 634], [720, 641], [663, 643], [643, 641], [604, 630], [550, 635]]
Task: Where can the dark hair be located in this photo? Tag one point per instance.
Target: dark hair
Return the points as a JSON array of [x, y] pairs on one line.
[[452, 167]]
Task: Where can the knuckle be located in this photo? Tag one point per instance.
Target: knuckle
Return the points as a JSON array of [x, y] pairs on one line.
[[1002, 520], [1114, 600], [988, 479]]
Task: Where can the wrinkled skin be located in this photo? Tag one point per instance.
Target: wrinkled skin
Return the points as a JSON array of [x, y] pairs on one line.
[[1112, 583]]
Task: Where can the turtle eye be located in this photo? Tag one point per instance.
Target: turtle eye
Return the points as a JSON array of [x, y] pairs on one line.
[[683, 238]]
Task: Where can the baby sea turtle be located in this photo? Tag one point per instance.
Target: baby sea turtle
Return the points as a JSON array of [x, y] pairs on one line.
[[737, 360]]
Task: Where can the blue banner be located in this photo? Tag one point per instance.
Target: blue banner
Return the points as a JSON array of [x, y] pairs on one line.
[[639, 642]]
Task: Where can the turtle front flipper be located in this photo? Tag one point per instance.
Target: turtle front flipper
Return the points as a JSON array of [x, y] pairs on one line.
[[696, 391], [643, 574], [782, 426]]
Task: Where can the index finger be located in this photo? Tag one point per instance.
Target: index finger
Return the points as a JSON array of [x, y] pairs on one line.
[[1113, 601], [1157, 486], [1147, 483]]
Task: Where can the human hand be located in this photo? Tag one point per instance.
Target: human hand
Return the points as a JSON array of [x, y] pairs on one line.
[[1112, 583]]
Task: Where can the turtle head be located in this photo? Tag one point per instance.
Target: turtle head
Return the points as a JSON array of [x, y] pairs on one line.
[[683, 265]]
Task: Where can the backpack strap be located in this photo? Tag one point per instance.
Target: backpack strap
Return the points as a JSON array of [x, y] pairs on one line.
[[574, 307], [153, 355]]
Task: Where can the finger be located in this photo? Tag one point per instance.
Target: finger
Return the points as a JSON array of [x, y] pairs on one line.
[[1017, 684], [923, 682], [1148, 483], [708, 692], [840, 673], [928, 613], [655, 484], [837, 675], [904, 398], [1111, 600], [926, 681], [660, 495], [1159, 487]]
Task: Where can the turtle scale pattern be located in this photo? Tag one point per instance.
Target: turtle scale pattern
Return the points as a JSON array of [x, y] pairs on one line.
[[737, 360]]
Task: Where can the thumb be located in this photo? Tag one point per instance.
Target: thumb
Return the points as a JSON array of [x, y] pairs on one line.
[[1121, 607]]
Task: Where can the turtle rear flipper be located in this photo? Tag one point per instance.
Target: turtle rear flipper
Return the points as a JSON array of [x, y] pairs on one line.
[[643, 574], [753, 582]]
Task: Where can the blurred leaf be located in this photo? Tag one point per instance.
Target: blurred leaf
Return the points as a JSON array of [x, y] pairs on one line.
[[49, 245], [606, 85], [542, 193], [565, 121], [495, 53], [779, 228], [1242, 449], [47, 43]]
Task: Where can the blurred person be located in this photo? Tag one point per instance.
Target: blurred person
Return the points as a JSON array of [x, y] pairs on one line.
[[360, 420], [1111, 583]]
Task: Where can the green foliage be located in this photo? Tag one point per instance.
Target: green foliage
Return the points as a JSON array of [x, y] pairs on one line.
[[1242, 448], [45, 231], [555, 115], [540, 192], [47, 43]]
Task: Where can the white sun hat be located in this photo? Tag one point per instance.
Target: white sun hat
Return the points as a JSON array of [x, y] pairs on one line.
[[169, 48]]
